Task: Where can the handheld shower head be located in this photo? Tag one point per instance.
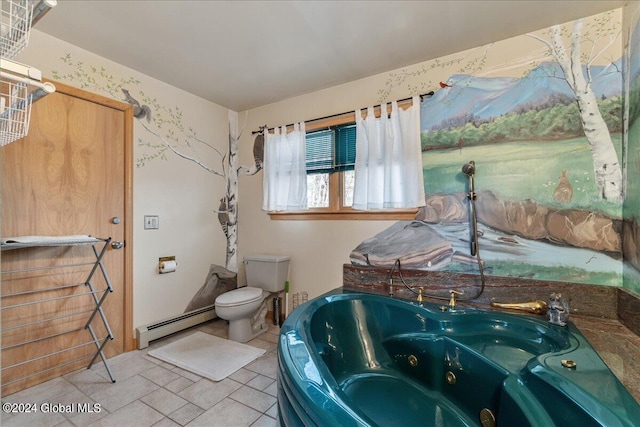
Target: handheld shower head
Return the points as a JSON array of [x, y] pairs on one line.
[[469, 168]]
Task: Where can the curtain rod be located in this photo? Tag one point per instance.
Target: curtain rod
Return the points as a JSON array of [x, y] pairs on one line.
[[262, 128]]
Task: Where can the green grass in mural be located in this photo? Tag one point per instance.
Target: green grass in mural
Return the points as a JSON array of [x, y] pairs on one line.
[[522, 170], [538, 272], [632, 201]]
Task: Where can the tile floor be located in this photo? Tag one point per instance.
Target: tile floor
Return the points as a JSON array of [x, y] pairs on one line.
[[150, 392]]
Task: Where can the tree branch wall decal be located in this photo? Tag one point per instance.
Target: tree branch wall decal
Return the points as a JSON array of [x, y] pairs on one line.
[[169, 135]]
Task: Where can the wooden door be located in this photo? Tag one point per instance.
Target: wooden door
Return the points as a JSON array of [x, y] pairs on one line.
[[71, 175]]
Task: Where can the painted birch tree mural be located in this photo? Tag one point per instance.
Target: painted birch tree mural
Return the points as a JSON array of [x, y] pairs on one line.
[[607, 169], [229, 219], [228, 170], [185, 148], [170, 135]]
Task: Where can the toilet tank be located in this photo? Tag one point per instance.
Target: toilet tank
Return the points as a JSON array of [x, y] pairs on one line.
[[268, 272]]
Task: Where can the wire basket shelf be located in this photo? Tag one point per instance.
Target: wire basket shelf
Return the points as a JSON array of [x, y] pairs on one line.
[[15, 111], [15, 27], [20, 84]]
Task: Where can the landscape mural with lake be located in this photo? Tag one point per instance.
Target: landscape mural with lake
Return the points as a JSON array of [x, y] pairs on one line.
[[549, 162]]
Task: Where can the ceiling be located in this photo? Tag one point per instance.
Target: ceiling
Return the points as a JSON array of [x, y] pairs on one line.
[[246, 54]]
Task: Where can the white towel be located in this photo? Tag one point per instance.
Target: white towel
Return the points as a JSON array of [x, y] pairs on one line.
[[48, 240]]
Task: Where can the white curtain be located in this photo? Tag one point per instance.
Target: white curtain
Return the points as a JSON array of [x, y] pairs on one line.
[[388, 169], [285, 175]]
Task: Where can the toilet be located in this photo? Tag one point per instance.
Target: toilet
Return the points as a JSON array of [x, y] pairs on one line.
[[246, 308]]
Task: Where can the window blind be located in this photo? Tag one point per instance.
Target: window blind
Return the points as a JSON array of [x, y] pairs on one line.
[[331, 150]]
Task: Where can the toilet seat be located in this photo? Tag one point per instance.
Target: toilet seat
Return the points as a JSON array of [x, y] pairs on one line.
[[240, 296]]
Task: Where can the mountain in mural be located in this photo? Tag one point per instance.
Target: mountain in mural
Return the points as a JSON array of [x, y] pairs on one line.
[[480, 99]]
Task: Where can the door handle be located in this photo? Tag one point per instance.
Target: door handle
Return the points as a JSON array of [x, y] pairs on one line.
[[117, 245]]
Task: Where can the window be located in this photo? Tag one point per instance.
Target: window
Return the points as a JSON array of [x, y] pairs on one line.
[[331, 153]]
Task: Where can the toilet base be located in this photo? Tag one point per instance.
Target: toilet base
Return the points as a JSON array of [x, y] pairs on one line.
[[241, 331], [248, 328]]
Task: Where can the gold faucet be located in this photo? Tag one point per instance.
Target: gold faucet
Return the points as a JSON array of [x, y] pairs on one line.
[[536, 307], [420, 290], [452, 299]]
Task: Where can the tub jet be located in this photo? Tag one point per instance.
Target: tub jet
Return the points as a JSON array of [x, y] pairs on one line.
[[487, 419]]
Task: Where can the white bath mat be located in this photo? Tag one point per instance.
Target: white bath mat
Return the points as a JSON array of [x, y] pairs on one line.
[[207, 355]]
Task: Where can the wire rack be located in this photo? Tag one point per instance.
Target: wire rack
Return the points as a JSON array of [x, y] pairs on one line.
[[20, 85], [15, 27], [15, 111]]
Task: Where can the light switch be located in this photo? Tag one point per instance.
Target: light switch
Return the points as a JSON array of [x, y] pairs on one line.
[[151, 222]]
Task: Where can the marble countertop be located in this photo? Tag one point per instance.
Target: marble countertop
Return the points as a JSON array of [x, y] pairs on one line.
[[617, 346]]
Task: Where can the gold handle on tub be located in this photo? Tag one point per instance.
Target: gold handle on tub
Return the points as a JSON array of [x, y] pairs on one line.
[[535, 307], [454, 295]]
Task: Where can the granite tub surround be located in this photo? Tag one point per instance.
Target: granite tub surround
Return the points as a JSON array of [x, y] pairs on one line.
[[629, 310], [589, 300], [617, 346]]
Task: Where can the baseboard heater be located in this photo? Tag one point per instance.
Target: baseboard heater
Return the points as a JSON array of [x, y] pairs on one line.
[[171, 325]]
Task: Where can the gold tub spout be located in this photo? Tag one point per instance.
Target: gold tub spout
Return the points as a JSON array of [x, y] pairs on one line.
[[536, 307]]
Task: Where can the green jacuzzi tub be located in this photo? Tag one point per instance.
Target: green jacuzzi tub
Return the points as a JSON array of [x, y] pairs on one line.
[[354, 359]]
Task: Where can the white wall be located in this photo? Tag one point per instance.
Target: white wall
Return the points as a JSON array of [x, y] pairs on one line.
[[181, 193]]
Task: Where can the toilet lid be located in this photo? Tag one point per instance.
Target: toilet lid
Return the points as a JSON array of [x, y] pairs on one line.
[[239, 296]]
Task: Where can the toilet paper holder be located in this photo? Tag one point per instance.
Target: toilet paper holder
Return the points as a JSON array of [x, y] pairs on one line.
[[167, 264]]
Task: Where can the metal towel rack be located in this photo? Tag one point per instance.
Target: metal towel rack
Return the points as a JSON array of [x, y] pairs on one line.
[[98, 296]]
